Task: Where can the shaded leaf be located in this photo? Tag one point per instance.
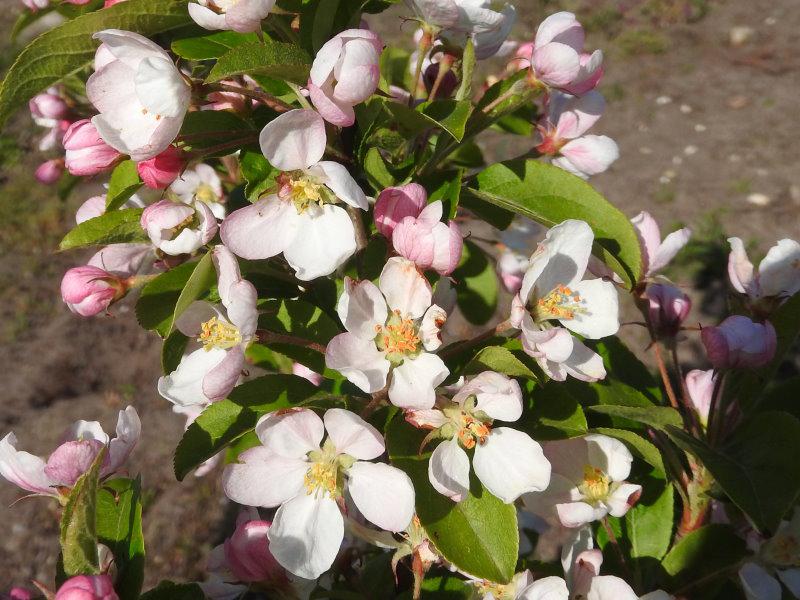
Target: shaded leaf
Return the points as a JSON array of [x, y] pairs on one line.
[[123, 184], [638, 446], [116, 227], [276, 59], [78, 532], [119, 527], [210, 45], [476, 285]]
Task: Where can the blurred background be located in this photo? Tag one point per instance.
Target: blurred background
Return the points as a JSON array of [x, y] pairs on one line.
[[702, 100]]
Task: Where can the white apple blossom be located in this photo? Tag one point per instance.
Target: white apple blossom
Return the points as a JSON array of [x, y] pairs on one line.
[[210, 372], [392, 331], [776, 562], [587, 481], [176, 228], [553, 291], [303, 219], [657, 254], [307, 480], [523, 587], [778, 275], [243, 16], [202, 184], [507, 462], [141, 95]]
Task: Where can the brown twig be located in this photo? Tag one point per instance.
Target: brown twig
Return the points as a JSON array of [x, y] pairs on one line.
[[662, 369], [270, 337], [458, 347], [268, 99]]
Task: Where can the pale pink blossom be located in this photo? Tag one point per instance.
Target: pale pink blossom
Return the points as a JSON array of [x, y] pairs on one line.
[[210, 372], [778, 275], [303, 219], [176, 228], [303, 371], [554, 299], [739, 342], [90, 290], [82, 442], [657, 254], [86, 152], [49, 171], [244, 16], [141, 95], [521, 59], [35, 5], [109, 3], [87, 587], [506, 461], [391, 327], [122, 260], [48, 109], [668, 308], [246, 556], [511, 267], [395, 204], [201, 183], [345, 72], [700, 385], [306, 479], [774, 564], [522, 587], [427, 242], [161, 170], [587, 481]]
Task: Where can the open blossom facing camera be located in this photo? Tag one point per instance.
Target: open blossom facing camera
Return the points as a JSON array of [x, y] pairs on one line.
[[392, 332], [243, 16], [200, 183], [345, 73], [303, 219], [507, 462], [657, 253], [778, 275], [587, 481], [72, 458], [523, 587], [209, 373], [141, 95], [553, 290], [176, 228], [306, 479]]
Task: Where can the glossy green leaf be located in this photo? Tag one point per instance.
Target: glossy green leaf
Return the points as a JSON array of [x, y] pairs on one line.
[[78, 532], [479, 534], [648, 525], [116, 227], [550, 195], [69, 47], [172, 351], [123, 184], [211, 45], [200, 281], [258, 173], [276, 59], [476, 285], [205, 129], [467, 69], [119, 527], [657, 417], [448, 115], [502, 360], [639, 446], [553, 413], [155, 307], [706, 551]]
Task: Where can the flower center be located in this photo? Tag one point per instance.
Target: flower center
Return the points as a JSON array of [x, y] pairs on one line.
[[399, 338], [303, 190], [498, 591], [322, 477], [205, 193], [783, 550], [471, 431], [595, 484], [560, 303], [216, 333]]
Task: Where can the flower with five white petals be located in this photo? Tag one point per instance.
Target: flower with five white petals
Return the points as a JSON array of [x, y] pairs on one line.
[[202, 184]]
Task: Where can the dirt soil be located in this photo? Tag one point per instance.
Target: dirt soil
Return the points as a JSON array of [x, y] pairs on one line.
[[705, 127]]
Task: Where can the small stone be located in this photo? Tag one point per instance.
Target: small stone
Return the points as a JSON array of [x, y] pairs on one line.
[[677, 160], [645, 150], [685, 109], [761, 172], [689, 150], [700, 128], [734, 158], [741, 35], [794, 193], [664, 179], [758, 199], [738, 102], [663, 100], [770, 21]]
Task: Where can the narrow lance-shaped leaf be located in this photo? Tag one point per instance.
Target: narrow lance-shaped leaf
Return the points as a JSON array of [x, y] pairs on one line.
[[116, 227], [123, 184]]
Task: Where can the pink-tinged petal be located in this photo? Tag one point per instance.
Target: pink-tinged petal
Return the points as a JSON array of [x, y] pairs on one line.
[[245, 16], [739, 342], [361, 308], [430, 418], [608, 587], [559, 491], [589, 75], [555, 344], [414, 240], [86, 152], [779, 272], [430, 328], [326, 240], [758, 584], [359, 361], [341, 183], [352, 435], [161, 170], [510, 464], [184, 386], [121, 260], [649, 237], [405, 288], [584, 364], [383, 494], [219, 381], [441, 13], [490, 43], [669, 248], [575, 514], [261, 478], [741, 272], [295, 140], [22, 468], [247, 554], [228, 272], [333, 112], [87, 587], [577, 115], [668, 307], [700, 385], [357, 72], [91, 208], [586, 565], [622, 498], [129, 47], [129, 430], [161, 88], [546, 588], [71, 460], [206, 18], [598, 316], [291, 433], [198, 312], [262, 230], [560, 27], [448, 470], [306, 535], [498, 395], [241, 308], [555, 64], [610, 455], [414, 382], [325, 60], [589, 155], [303, 371], [396, 203]]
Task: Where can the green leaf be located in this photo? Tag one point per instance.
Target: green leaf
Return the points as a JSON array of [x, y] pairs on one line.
[[550, 195], [476, 285], [553, 413], [119, 526], [502, 360], [167, 590], [377, 171], [648, 525], [467, 69], [444, 186], [78, 534], [276, 59], [116, 227], [442, 587], [200, 281], [448, 115], [757, 467], [224, 421], [69, 47], [123, 184], [257, 172], [479, 534], [703, 552], [156, 305], [206, 128], [657, 417], [211, 45], [28, 18], [172, 351], [639, 446]]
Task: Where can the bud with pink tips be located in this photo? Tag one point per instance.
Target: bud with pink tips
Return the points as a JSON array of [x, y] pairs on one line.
[[427, 242], [657, 253], [86, 152], [49, 171], [243, 16], [87, 587], [160, 171], [395, 204], [48, 107], [35, 5], [90, 290], [176, 228], [777, 276], [345, 72], [700, 385], [739, 342], [668, 308], [248, 557]]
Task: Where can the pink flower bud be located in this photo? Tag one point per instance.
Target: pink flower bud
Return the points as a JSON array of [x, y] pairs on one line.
[[521, 59], [87, 154], [396, 203], [89, 290], [87, 587], [49, 171], [160, 171], [428, 242], [511, 267], [111, 3], [18, 593], [739, 342], [48, 106], [71, 460], [248, 556], [700, 385], [668, 308], [35, 5]]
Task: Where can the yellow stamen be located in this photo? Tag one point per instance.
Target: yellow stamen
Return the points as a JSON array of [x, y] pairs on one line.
[[560, 303], [321, 477], [472, 431], [205, 193], [596, 484], [399, 337], [215, 333]]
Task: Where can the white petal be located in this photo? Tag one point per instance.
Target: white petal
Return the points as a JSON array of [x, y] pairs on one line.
[[591, 154], [262, 230], [598, 315], [584, 364], [361, 308], [414, 382], [758, 584], [610, 455], [341, 183], [306, 534], [220, 380], [198, 312], [556, 64], [608, 587], [510, 464], [294, 140], [405, 288], [448, 470], [779, 272], [129, 430], [352, 435], [741, 272], [325, 240], [161, 88], [669, 248], [241, 308], [498, 395], [22, 468], [383, 494], [430, 328], [577, 514], [358, 360], [184, 386], [206, 18], [292, 433], [617, 500], [547, 588], [262, 478]]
